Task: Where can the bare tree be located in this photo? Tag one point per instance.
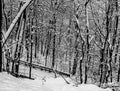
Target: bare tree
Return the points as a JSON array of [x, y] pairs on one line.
[[1, 35]]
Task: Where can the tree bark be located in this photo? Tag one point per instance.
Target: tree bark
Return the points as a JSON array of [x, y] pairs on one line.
[[118, 76], [117, 49], [54, 39], [81, 61], [18, 30], [114, 36], [76, 55], [87, 40], [48, 46], [0, 36], [104, 51], [5, 15], [20, 43], [31, 59]]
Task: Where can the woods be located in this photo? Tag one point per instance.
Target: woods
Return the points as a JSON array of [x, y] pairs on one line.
[[76, 37]]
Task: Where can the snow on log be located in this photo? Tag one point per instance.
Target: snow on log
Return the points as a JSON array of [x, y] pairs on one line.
[[15, 21]]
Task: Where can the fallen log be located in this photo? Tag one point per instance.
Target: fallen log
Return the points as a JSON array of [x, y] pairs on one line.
[[44, 68]]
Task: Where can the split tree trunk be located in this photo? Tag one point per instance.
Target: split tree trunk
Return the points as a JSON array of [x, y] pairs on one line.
[[104, 51], [87, 41], [20, 43], [18, 30], [10, 29]]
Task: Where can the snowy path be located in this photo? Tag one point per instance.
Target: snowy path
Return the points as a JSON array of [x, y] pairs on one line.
[[10, 83], [36, 73]]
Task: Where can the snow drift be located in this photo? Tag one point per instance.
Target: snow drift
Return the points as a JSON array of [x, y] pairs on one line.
[[59, 84], [10, 83]]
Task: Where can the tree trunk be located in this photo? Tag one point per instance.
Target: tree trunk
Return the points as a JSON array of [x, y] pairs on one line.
[[30, 59], [53, 60], [114, 36], [20, 43], [104, 50], [81, 61], [117, 50], [31, 35], [76, 56], [1, 35], [54, 40], [87, 41], [48, 46], [32, 31], [5, 15], [18, 30], [118, 76]]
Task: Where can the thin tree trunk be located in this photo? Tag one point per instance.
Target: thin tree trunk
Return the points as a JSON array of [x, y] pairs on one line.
[[34, 15], [5, 15], [104, 51], [117, 50], [31, 50], [118, 76], [17, 38], [76, 56], [41, 46], [87, 41], [75, 62], [31, 37], [35, 53], [20, 42], [0, 36], [101, 64], [53, 60], [11, 9], [54, 39], [48, 46], [30, 59], [81, 61]]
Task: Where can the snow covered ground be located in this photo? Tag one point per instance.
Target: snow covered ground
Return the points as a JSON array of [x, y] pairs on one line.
[[44, 81], [59, 84], [10, 83]]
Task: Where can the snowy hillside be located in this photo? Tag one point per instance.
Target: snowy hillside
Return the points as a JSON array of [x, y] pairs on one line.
[[10, 83]]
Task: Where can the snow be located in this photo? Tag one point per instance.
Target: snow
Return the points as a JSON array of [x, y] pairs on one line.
[[44, 81], [10, 83], [90, 87], [55, 84], [59, 84]]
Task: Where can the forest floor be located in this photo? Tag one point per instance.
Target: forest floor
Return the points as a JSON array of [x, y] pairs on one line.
[[43, 81]]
